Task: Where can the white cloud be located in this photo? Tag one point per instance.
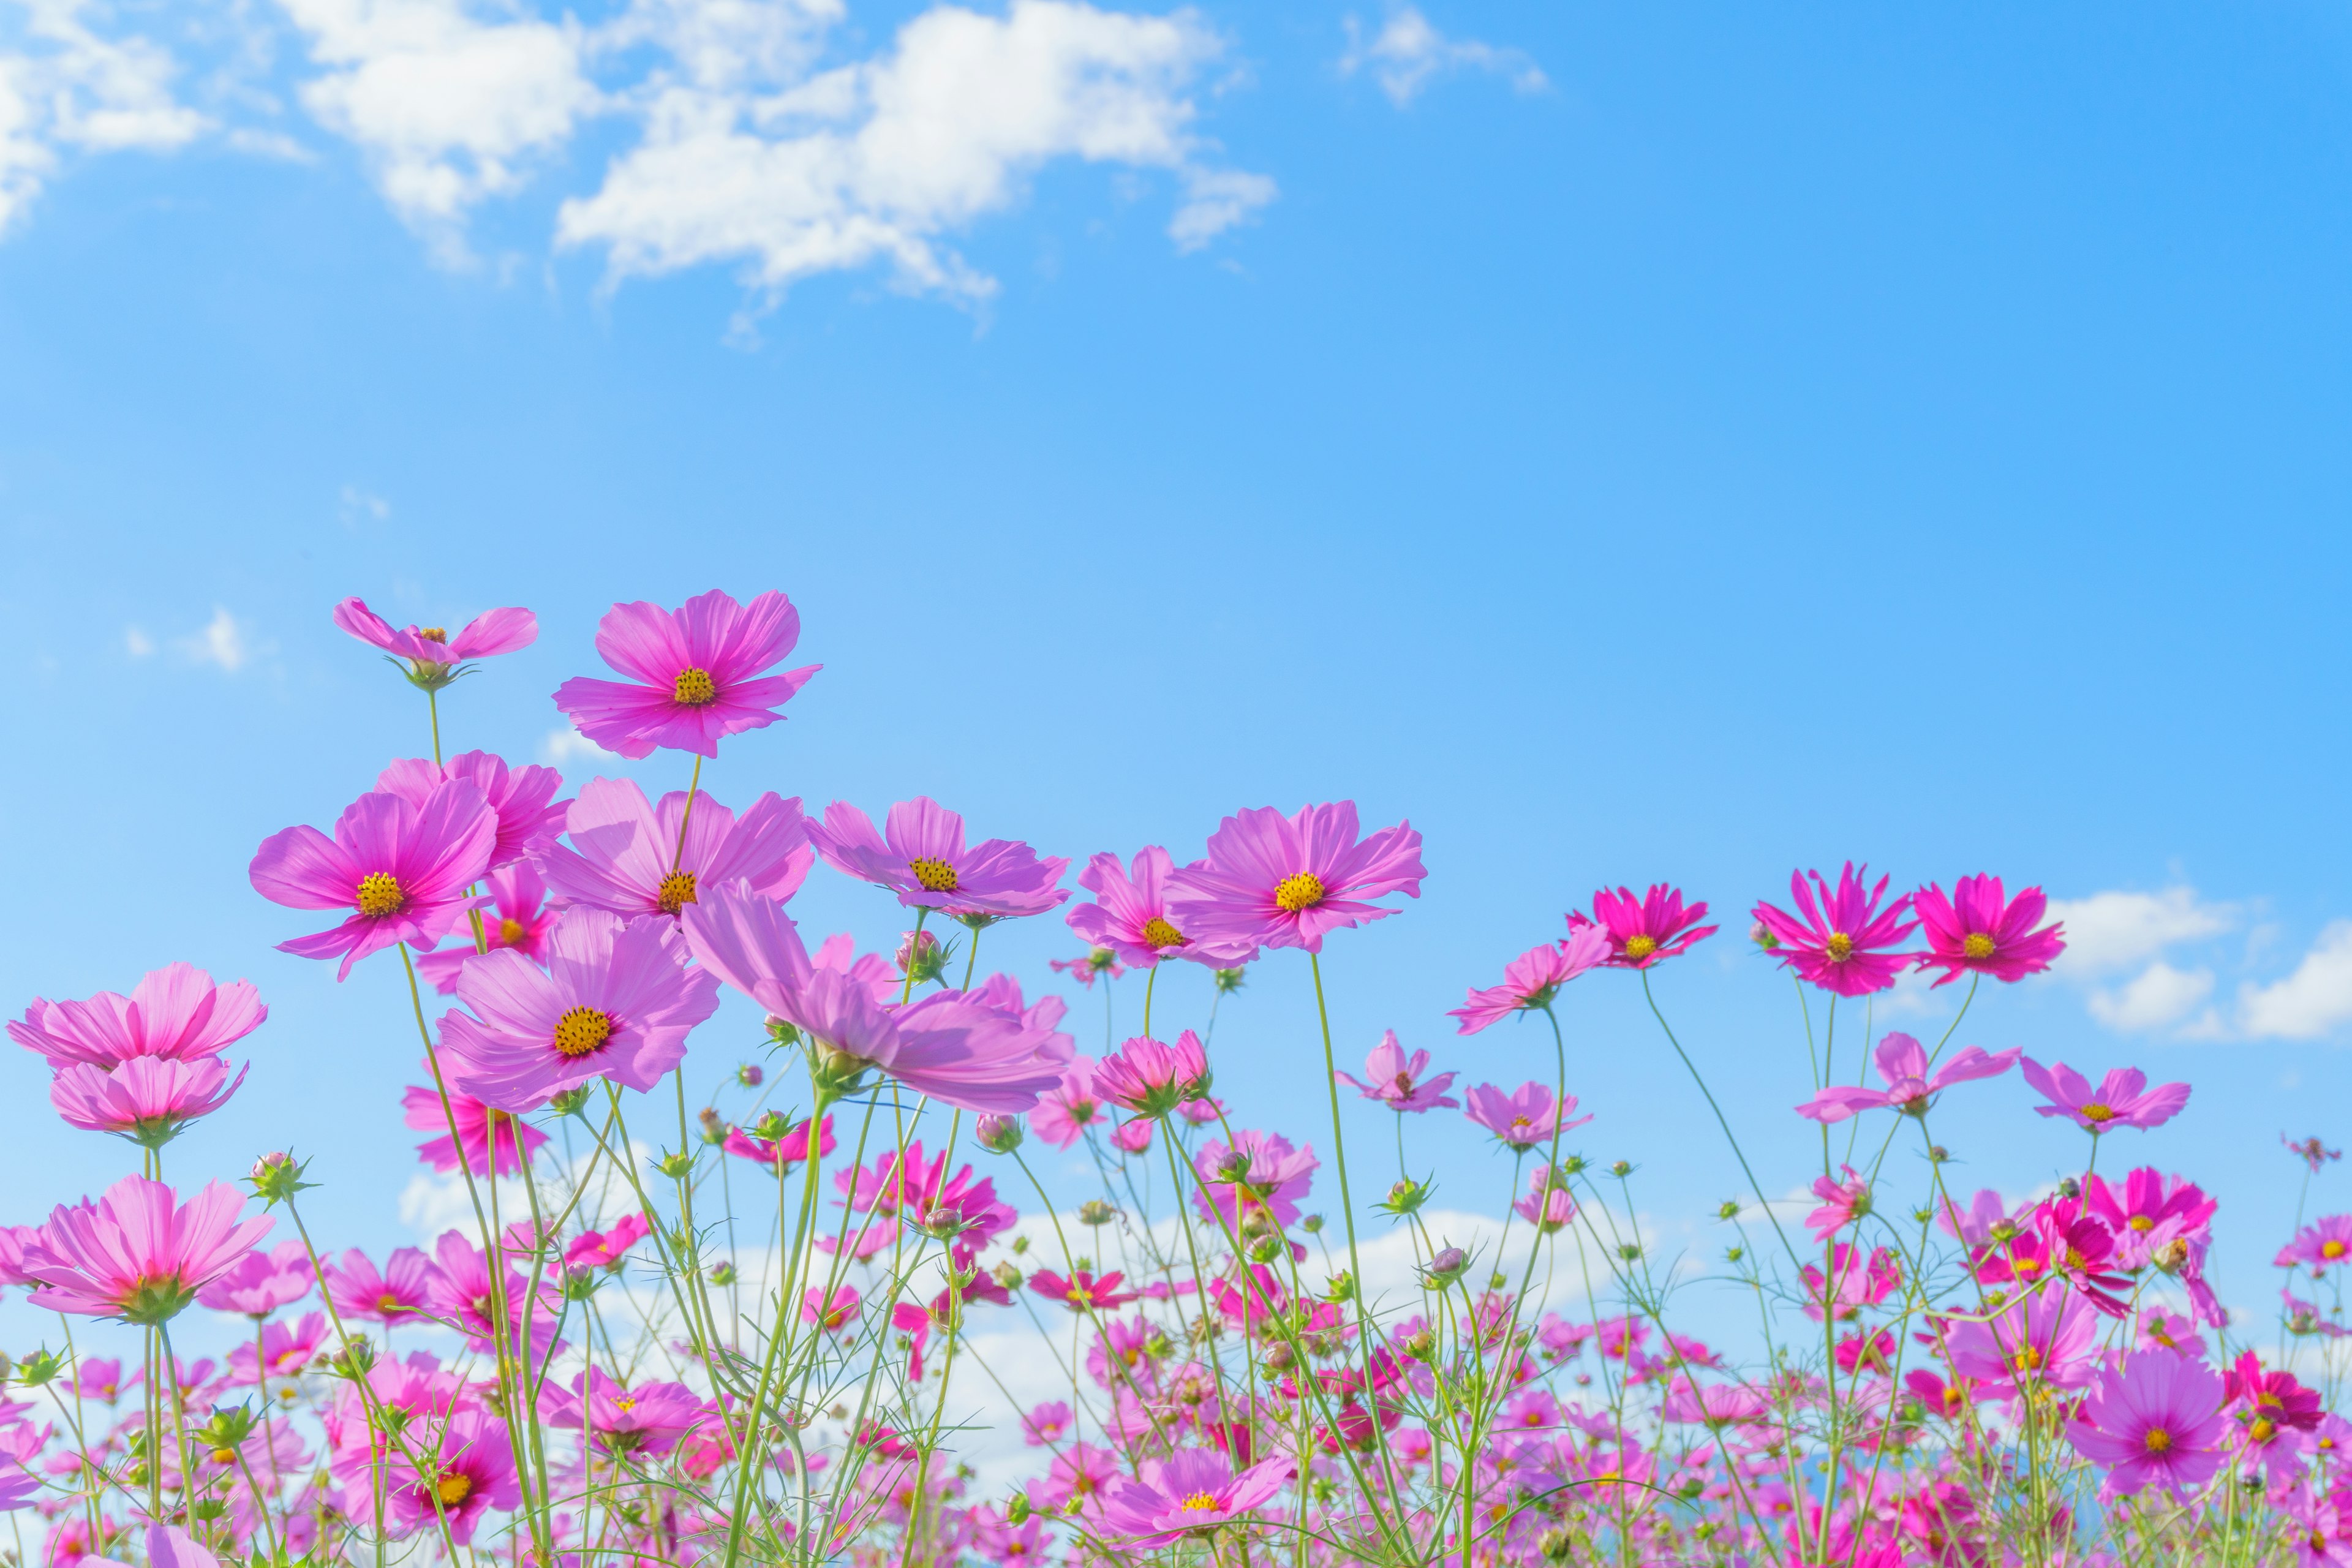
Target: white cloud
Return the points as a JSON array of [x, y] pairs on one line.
[[2159, 996], [1408, 53], [225, 641], [2113, 930], [136, 643], [63, 84], [360, 507], [564, 747], [2314, 1000]]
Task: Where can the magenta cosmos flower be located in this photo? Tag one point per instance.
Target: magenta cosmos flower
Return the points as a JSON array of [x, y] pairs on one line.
[[262, 1281], [2323, 1245], [488, 635], [519, 916], [696, 674], [1190, 1492], [1523, 1118], [920, 856], [615, 1000], [1836, 940], [1152, 1078], [523, 799], [467, 1472], [646, 1419], [1128, 919], [2122, 1099], [1531, 980], [138, 1253], [1401, 1082], [174, 1012], [478, 1125], [1903, 1064], [397, 1293], [402, 870], [626, 856], [2156, 1419], [1644, 931], [1979, 931], [147, 1099], [1289, 882]]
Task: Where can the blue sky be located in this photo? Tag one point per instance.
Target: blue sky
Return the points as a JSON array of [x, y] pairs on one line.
[[1631, 442]]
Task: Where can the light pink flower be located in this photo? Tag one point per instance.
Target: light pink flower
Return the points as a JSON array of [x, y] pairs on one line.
[[2122, 1099], [696, 674], [478, 1124], [1151, 1078], [1903, 1064], [1290, 881], [921, 856], [609, 1248], [2155, 1419], [519, 916], [138, 1253], [491, 633], [793, 1148], [835, 1312], [285, 1351], [262, 1282], [1531, 980], [615, 1000], [1189, 1493], [174, 1012], [1065, 1111], [523, 799], [1257, 1170], [393, 1295], [645, 1419], [147, 1099], [403, 871], [625, 855], [1979, 931], [1133, 1136], [1836, 940], [469, 1471], [2050, 1337], [1643, 931], [1523, 1118], [1852, 1282], [2323, 1245], [1843, 1204], [1129, 918], [1400, 1081]]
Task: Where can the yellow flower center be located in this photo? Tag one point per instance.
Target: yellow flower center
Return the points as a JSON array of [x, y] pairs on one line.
[[2094, 1111], [380, 894], [2263, 1430], [694, 688], [1839, 947], [582, 1030], [2141, 1223], [2331, 1250], [224, 1456], [2156, 1440], [1199, 1502], [1299, 891], [510, 932], [1160, 933], [1640, 947], [387, 1304], [676, 892], [432, 634], [1978, 946], [454, 1489], [934, 876], [624, 1404], [2027, 1360]]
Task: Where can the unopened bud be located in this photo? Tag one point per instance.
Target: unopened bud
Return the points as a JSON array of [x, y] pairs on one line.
[[1004, 1274], [1448, 1265], [2070, 1188], [567, 1101], [674, 1166], [1016, 1509], [1728, 1210], [1266, 1248], [1621, 1169], [1763, 938], [1228, 979], [1312, 1224], [714, 1128], [276, 1177], [1341, 1287], [999, 1135], [722, 1274], [1095, 1211], [749, 1076], [781, 1033]]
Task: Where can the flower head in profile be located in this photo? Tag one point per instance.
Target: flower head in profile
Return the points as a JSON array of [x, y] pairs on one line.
[[1065, 1110], [519, 916], [2311, 1151], [174, 1012], [2121, 1100], [1190, 1492], [262, 1282], [696, 674], [428, 656], [285, 1351], [1837, 941], [2156, 1420], [148, 1100], [636, 858], [2147, 1211], [1910, 1088], [615, 1000], [1258, 1173], [645, 1419], [920, 855], [138, 1253], [1401, 1082], [1088, 966], [1531, 980], [486, 1133], [1843, 1204], [1129, 917], [523, 799], [1152, 1078], [1290, 881], [402, 870], [609, 1248], [790, 1148], [1523, 1118], [1979, 930], [1644, 931]]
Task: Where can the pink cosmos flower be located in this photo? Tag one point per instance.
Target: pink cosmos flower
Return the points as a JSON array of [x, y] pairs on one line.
[[1133, 1137], [1976, 930], [920, 856], [1259, 1171], [147, 1099], [2311, 1151], [1903, 1064], [2147, 1211], [1065, 1111], [1151, 1078], [2273, 1397], [2049, 1336], [2118, 1101], [1088, 966], [695, 674], [519, 916], [285, 1351], [625, 855], [468, 1472], [609, 1248], [1531, 980], [138, 1253], [1851, 1284], [175, 1012], [1546, 1206], [1643, 931], [1836, 940], [1189, 1493], [2323, 1245], [833, 1313], [458, 1288], [488, 635], [1046, 1425], [523, 799], [793, 1148], [404, 871], [1129, 917], [616, 1001], [262, 1282], [646, 1419], [395, 1294], [1523, 1118], [1843, 1204], [1083, 1290], [871, 970], [2160, 1330], [479, 1124], [1401, 1082], [1290, 881]]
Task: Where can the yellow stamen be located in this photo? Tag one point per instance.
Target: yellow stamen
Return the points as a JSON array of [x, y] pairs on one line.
[[624, 1404], [1839, 947], [2156, 1440], [224, 1456], [380, 894], [1301, 890], [387, 1304], [2331, 1250], [2027, 1360], [2141, 1223], [1640, 947], [1978, 946], [512, 933], [933, 876], [694, 688], [676, 892], [2094, 1111], [432, 634], [582, 1030], [1199, 1502], [1160, 933], [2263, 1430], [454, 1489]]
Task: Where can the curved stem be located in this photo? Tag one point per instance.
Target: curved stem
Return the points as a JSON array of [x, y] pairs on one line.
[[1736, 1152]]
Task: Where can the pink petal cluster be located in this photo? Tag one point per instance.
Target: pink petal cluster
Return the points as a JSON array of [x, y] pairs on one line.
[[1131, 918], [1645, 931], [402, 870], [696, 674], [636, 858], [1531, 980], [1401, 1082], [1979, 930], [138, 1253], [1272, 881], [1837, 941], [2121, 1100], [920, 855], [1910, 1087]]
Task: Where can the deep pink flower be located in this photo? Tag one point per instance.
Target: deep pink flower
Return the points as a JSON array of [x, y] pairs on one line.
[[1531, 980], [1290, 881], [1400, 1081], [1643, 931], [139, 1254], [695, 674], [404, 871], [1852, 1283], [519, 916], [1836, 940], [1189, 1493], [2273, 1397], [2157, 1418], [174, 1012], [2323, 1245], [470, 1470], [478, 1124], [285, 1351], [1129, 917], [1083, 1290], [147, 1099], [834, 1313], [609, 1248], [2146, 1212], [1065, 1111], [1843, 1204], [2311, 1151], [1523, 1118], [921, 856], [645, 1419], [1977, 930], [491, 633], [395, 1294], [793, 1148], [458, 1289], [523, 799], [2050, 1337], [262, 1282], [2118, 1101], [625, 855], [1903, 1064], [1151, 1078], [1257, 1170]]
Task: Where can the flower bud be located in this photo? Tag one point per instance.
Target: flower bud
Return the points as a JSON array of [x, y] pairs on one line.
[[1729, 1209], [1420, 1344], [1228, 981], [1620, 1170], [1004, 1274], [42, 1366], [1445, 1267], [772, 1128], [1312, 1224], [1340, 1288], [1763, 938], [276, 1177], [1016, 1509], [722, 1273], [749, 1076], [1266, 1248], [714, 1130], [781, 1033], [567, 1101], [999, 1135], [1095, 1211], [921, 956], [675, 1166]]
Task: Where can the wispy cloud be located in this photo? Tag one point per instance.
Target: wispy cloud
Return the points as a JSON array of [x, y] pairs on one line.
[[224, 642], [137, 643], [2312, 1000], [563, 747], [1407, 53]]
